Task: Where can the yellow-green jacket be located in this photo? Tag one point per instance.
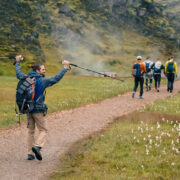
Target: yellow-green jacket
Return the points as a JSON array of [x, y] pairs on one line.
[[175, 66]]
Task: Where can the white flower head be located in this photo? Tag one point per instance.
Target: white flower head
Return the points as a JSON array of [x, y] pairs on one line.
[[172, 164]]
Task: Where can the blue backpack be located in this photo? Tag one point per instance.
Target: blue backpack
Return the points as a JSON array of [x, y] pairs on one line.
[[170, 67], [138, 71], [147, 67]]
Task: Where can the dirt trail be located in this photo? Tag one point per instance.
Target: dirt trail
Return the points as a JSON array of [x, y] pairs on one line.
[[65, 128]]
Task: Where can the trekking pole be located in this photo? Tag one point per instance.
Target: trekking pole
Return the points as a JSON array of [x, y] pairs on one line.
[[8, 57], [105, 75]]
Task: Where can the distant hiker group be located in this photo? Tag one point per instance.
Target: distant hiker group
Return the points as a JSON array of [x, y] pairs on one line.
[[152, 70]]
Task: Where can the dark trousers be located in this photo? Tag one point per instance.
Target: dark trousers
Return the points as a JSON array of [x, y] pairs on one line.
[[150, 82], [139, 80], [157, 80], [170, 77]]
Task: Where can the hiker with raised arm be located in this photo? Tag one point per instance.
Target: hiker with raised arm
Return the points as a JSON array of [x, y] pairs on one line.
[[149, 73], [157, 68], [37, 108], [171, 73], [138, 71]]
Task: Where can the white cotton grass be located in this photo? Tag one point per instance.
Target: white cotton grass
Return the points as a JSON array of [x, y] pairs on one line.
[[161, 138]]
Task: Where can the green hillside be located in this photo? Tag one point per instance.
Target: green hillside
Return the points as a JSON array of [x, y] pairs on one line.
[[105, 35]]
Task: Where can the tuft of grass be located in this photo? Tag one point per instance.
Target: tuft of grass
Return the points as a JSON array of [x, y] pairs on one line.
[[128, 149]]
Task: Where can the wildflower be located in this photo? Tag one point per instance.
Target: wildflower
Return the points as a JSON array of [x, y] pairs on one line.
[[139, 128], [144, 138], [149, 135], [142, 122], [172, 142], [150, 141], [168, 135], [171, 122], [167, 121], [174, 125], [142, 166], [142, 130], [163, 119], [158, 125], [137, 140], [172, 164], [172, 129], [177, 140], [134, 137], [157, 137], [147, 151], [173, 148], [132, 131]]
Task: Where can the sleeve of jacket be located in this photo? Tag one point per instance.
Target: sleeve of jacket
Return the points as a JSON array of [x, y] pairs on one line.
[[46, 82], [19, 74], [175, 67], [143, 68], [166, 66]]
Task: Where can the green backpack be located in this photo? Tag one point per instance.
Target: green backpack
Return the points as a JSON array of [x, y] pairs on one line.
[[170, 67]]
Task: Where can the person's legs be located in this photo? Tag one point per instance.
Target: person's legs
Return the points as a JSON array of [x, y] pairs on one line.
[[158, 82], [146, 80], [31, 131], [41, 125], [155, 81], [150, 82], [135, 86], [40, 139], [169, 82], [141, 86], [172, 81]]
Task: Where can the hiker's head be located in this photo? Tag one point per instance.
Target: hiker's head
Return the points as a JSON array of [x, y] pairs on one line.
[[148, 57], [39, 68], [139, 58]]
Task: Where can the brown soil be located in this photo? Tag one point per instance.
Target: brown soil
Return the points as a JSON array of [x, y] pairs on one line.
[[65, 128]]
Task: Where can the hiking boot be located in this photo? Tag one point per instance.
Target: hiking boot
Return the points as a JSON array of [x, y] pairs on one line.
[[170, 91], [31, 157], [149, 88], [140, 97], [36, 151], [133, 94], [167, 90], [157, 90]]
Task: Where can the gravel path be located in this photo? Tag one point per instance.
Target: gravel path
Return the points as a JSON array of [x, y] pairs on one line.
[[65, 128]]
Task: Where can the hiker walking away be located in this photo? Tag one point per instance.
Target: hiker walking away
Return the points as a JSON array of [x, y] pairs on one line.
[[138, 71], [158, 66], [36, 116], [149, 73], [171, 73]]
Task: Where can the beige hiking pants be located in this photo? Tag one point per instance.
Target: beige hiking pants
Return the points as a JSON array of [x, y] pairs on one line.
[[38, 120]]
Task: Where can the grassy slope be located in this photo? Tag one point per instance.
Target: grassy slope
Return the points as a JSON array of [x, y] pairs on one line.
[[140, 146], [118, 47]]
